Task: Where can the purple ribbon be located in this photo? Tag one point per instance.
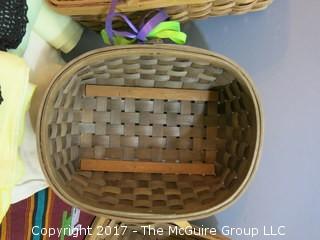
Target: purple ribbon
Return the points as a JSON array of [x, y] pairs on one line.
[[142, 33]]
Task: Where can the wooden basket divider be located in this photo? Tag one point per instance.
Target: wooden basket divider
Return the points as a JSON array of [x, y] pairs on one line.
[[97, 108]]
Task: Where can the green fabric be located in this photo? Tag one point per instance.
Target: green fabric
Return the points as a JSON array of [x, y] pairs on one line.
[[164, 30], [66, 224], [170, 30], [118, 40], [58, 30]]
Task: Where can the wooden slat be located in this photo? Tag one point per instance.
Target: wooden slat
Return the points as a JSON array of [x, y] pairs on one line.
[[150, 93], [146, 167]]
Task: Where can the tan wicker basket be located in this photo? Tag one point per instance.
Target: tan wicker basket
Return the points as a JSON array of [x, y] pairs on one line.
[[92, 12], [107, 229], [226, 132]]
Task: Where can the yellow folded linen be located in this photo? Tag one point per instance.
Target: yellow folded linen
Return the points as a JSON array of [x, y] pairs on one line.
[[16, 92]]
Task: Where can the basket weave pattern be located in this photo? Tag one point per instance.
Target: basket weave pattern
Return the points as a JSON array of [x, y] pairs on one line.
[[92, 13], [221, 132]]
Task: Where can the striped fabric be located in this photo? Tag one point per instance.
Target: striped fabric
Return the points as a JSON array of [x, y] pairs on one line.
[[44, 210]]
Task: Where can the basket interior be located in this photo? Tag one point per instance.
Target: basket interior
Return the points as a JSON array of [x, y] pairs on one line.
[[222, 133]]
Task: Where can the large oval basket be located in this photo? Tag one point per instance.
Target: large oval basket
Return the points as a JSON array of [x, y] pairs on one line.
[[159, 104]]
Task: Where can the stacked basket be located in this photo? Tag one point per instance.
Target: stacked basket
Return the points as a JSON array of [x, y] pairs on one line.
[[92, 12], [223, 130]]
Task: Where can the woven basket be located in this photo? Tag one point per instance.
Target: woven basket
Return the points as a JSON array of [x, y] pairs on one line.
[[226, 132], [107, 229], [92, 12]]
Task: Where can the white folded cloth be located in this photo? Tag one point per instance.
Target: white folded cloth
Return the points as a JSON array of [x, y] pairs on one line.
[[33, 179], [46, 31], [44, 62]]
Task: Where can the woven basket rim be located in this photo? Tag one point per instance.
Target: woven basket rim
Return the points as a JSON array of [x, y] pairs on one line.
[[121, 6], [80, 7], [147, 217]]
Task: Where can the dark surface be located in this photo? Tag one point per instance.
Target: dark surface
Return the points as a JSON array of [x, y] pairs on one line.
[[13, 22], [90, 40], [1, 99]]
